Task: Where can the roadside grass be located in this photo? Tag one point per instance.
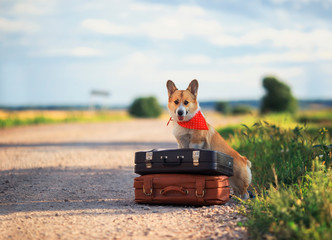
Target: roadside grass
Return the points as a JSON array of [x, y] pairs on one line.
[[313, 120], [291, 167], [323, 116], [21, 118], [299, 211], [286, 152]]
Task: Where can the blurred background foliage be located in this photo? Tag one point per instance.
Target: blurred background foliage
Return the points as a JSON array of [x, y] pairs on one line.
[[145, 107]]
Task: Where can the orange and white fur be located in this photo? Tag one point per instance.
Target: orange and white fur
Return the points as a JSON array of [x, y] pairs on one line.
[[183, 106]]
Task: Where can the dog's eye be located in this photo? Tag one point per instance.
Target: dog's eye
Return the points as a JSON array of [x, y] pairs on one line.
[[185, 102], [176, 102]]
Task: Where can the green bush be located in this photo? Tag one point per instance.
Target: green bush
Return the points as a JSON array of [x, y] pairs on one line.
[[223, 107], [145, 107], [241, 109], [278, 98], [301, 211]]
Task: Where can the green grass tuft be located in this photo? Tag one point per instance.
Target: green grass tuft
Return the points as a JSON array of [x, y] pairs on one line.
[[288, 152], [300, 211]]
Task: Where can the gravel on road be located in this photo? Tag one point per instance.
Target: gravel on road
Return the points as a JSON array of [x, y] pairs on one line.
[[75, 181]]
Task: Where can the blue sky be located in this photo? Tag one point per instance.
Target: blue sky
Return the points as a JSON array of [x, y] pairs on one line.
[[56, 51]]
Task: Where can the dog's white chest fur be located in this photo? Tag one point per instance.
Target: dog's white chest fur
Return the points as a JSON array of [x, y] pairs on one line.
[[184, 138], [179, 131], [183, 135]]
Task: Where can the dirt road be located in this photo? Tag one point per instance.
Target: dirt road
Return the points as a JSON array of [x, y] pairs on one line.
[[74, 181]]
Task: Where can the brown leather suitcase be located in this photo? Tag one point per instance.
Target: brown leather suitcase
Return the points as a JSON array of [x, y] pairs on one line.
[[183, 189]]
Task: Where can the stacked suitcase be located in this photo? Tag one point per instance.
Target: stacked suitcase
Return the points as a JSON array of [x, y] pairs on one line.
[[182, 176]]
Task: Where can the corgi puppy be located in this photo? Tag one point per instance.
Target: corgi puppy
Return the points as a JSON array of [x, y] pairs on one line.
[[192, 131]]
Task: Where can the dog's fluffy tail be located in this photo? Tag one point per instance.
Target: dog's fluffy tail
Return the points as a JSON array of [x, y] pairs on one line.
[[249, 170], [248, 163]]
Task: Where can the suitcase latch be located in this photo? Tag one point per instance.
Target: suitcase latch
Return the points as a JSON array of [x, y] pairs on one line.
[[148, 159], [195, 158]]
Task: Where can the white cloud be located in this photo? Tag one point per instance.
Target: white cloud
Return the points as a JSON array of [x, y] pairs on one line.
[[298, 46], [197, 60], [327, 69], [76, 52], [18, 26], [140, 7], [300, 2], [283, 57], [174, 23], [85, 52], [244, 76], [105, 27], [278, 38], [191, 10], [28, 8], [142, 65], [33, 7], [183, 22], [319, 38]]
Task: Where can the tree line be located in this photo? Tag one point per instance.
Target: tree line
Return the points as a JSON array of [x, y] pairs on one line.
[[278, 98]]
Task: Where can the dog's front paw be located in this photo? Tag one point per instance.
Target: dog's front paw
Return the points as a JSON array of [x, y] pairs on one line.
[[245, 196]]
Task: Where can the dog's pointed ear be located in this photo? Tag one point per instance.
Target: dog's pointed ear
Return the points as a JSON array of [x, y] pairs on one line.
[[171, 88], [193, 87]]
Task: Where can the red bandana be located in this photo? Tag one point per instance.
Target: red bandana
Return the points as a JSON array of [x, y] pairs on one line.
[[197, 122]]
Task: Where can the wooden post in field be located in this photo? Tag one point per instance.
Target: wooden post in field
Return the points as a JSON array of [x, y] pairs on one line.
[[94, 94]]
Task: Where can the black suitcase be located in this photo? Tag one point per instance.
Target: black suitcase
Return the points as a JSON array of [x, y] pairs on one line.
[[193, 161]]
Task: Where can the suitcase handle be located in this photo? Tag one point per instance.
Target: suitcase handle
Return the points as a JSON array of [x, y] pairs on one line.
[[167, 163], [179, 189]]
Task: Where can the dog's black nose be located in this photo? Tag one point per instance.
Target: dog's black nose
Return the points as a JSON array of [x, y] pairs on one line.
[[180, 112]]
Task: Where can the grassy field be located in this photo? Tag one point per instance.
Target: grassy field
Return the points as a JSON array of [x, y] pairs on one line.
[[292, 177], [19, 118]]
